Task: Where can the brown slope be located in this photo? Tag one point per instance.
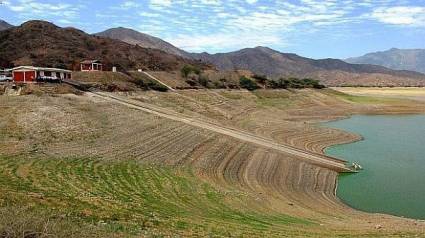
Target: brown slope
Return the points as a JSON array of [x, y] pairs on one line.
[[144, 40], [262, 60], [4, 25], [45, 44]]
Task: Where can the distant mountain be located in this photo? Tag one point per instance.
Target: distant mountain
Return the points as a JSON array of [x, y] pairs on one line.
[[412, 59], [144, 40], [42, 43], [333, 72], [4, 25]]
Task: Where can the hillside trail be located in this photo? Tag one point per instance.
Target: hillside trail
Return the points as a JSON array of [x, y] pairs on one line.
[[314, 158], [157, 80]]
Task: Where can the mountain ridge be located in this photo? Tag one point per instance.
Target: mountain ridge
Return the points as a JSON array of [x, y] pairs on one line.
[[394, 58], [134, 37], [266, 61], [45, 44], [4, 25]]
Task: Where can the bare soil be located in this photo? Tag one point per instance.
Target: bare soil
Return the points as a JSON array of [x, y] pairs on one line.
[[36, 131]]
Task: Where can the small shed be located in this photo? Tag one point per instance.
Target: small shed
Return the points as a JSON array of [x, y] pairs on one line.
[[31, 74], [91, 65]]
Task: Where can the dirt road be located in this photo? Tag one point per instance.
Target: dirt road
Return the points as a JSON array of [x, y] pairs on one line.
[[318, 159]]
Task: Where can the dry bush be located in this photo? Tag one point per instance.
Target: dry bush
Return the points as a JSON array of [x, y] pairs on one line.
[[2, 89], [33, 89]]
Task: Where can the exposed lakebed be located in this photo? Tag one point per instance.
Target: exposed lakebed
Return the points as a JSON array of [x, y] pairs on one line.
[[393, 156]]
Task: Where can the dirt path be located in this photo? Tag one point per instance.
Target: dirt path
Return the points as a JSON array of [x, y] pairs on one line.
[[156, 79], [318, 159]]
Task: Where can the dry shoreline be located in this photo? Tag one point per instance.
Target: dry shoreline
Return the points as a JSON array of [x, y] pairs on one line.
[[271, 182]]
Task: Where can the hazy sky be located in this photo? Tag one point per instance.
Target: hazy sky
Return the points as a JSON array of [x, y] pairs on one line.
[[312, 28]]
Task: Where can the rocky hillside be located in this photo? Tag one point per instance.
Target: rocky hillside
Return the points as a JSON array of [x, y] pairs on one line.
[[144, 40], [4, 25], [409, 59], [45, 44], [333, 72]]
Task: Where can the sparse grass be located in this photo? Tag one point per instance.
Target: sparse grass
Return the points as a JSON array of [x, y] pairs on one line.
[[104, 184], [365, 99], [127, 197], [231, 95], [273, 98], [29, 222]]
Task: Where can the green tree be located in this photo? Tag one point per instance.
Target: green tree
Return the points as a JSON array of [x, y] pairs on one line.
[[203, 80], [247, 83], [188, 69], [261, 79]]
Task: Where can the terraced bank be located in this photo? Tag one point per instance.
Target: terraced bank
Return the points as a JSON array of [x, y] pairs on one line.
[[124, 172]]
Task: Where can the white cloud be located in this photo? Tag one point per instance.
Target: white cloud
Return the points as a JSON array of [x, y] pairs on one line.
[[409, 16], [129, 4], [251, 1], [37, 8], [160, 3], [220, 41], [224, 24]]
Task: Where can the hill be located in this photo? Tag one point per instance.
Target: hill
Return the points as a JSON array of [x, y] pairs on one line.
[[398, 59], [263, 60], [144, 40], [45, 44], [4, 25], [266, 61]]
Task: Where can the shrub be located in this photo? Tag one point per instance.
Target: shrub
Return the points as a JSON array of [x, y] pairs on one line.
[[156, 86], [248, 83], [188, 69], [219, 84], [140, 84], [191, 82], [262, 79], [295, 83], [203, 80]]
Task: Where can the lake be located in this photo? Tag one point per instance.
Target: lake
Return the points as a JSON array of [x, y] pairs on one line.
[[393, 157]]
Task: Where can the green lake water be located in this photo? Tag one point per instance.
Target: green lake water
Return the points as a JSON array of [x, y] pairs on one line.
[[393, 156]]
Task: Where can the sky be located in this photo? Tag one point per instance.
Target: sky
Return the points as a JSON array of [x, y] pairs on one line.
[[311, 28]]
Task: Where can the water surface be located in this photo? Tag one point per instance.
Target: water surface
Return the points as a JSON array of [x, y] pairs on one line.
[[393, 156]]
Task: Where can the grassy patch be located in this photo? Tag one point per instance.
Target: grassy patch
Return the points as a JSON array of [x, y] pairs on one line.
[[365, 99], [129, 198], [273, 98], [231, 95]]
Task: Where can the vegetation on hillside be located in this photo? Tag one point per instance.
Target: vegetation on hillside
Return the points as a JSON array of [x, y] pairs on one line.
[[44, 44], [196, 77], [281, 83], [122, 197], [190, 69], [248, 83], [333, 72], [296, 83]]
